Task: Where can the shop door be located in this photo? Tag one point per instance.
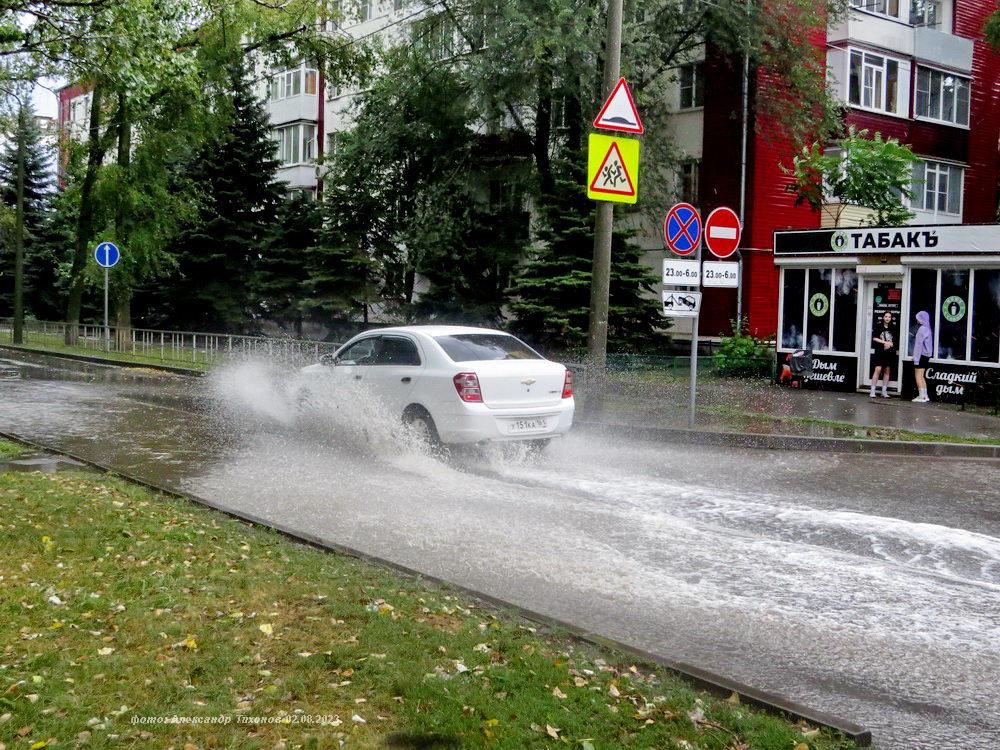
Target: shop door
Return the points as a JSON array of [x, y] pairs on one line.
[[881, 298]]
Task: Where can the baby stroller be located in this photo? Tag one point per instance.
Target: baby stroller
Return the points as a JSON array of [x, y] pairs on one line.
[[798, 368]]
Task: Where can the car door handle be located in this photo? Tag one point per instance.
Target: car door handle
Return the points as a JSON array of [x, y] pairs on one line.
[[407, 379], [357, 377]]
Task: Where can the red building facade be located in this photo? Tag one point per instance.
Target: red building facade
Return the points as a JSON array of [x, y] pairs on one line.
[[918, 72]]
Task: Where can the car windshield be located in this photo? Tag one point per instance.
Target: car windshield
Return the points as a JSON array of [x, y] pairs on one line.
[[468, 347]]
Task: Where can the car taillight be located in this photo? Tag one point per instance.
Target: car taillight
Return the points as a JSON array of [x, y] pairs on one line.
[[467, 385], [568, 385]]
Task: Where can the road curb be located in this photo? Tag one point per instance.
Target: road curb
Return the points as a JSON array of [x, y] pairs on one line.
[[792, 442], [103, 361], [704, 679]]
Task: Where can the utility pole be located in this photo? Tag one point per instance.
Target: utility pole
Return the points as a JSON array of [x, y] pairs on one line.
[[19, 232], [600, 284]]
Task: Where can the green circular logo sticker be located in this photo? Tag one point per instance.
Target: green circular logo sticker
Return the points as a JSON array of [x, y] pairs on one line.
[[819, 303], [953, 309], [838, 240]]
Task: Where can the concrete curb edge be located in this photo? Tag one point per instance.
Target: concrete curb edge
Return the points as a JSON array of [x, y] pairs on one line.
[[793, 442], [104, 361], [709, 681]]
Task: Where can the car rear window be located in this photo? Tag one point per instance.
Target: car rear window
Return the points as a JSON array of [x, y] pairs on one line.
[[469, 347]]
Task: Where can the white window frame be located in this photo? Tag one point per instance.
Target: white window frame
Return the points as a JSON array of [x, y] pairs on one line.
[[926, 13], [919, 186], [296, 144], [878, 7], [944, 74], [289, 83], [875, 77], [366, 10], [696, 88]]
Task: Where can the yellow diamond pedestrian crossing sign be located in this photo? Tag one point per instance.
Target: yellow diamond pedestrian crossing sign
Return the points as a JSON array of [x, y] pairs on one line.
[[612, 169]]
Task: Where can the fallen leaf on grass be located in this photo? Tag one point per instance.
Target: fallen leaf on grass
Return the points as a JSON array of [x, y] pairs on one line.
[[106, 651], [558, 693], [734, 698], [579, 681], [358, 719], [24, 731], [552, 731], [266, 628], [614, 692], [802, 746]]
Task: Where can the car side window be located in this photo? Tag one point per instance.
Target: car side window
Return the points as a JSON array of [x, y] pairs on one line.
[[363, 352], [398, 351]]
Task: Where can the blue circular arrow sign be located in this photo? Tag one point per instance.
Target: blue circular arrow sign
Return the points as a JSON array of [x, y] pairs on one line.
[[682, 229], [107, 254]]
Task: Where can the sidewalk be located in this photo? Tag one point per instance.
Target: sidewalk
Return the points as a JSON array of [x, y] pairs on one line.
[[761, 407]]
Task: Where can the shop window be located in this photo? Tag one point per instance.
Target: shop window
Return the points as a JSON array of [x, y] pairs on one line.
[[794, 298], [941, 96], [952, 317], [873, 81], [845, 309], [818, 302], [923, 296], [986, 316]]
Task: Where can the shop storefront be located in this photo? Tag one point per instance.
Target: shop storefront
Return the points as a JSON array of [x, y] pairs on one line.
[[838, 284]]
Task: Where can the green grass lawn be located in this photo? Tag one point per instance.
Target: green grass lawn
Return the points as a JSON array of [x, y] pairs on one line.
[[196, 360], [121, 609]]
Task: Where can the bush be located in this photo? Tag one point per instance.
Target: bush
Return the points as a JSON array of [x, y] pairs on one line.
[[744, 355]]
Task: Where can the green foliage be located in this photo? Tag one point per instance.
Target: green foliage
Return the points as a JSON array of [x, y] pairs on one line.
[[991, 29], [235, 172], [874, 173], [551, 294], [743, 354], [404, 191], [40, 240], [283, 269]]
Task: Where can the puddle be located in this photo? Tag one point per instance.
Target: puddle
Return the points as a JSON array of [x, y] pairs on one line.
[[46, 463]]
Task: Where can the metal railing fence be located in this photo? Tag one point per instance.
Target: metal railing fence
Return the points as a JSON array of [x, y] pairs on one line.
[[179, 348]]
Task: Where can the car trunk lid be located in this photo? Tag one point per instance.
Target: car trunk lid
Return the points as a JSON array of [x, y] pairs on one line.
[[519, 383]]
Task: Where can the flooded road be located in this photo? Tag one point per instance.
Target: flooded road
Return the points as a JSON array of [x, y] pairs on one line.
[[864, 586]]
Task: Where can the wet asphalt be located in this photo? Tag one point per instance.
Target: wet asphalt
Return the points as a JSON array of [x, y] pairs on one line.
[[864, 586]]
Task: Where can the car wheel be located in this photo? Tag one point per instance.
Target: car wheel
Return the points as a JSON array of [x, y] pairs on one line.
[[422, 425]]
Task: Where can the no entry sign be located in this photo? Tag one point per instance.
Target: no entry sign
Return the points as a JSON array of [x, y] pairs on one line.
[[722, 232], [682, 229]]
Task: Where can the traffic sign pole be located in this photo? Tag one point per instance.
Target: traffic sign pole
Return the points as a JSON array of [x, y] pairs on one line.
[[107, 330], [694, 349], [597, 331]]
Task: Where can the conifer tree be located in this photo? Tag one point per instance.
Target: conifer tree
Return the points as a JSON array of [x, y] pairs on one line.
[[236, 171], [281, 271], [551, 294], [38, 190]]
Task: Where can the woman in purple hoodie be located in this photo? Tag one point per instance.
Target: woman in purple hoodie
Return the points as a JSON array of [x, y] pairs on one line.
[[922, 350]]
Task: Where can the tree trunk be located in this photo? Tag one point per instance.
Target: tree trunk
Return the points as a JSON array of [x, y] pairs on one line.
[[543, 124], [85, 221], [123, 287], [123, 321]]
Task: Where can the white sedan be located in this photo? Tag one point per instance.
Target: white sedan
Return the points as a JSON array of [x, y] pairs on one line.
[[457, 384]]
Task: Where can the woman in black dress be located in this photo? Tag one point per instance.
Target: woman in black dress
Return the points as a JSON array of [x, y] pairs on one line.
[[884, 355]]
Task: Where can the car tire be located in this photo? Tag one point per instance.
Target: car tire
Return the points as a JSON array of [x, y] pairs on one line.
[[422, 425]]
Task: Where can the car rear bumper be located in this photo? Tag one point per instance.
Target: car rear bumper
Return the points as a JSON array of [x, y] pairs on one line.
[[474, 423]]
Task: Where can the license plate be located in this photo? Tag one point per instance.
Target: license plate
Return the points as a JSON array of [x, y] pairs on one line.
[[538, 424]]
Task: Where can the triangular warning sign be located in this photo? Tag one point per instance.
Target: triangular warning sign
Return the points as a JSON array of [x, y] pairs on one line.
[[619, 112], [612, 176]]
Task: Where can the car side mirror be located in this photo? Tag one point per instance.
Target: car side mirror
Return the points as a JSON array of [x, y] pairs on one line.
[[328, 359]]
